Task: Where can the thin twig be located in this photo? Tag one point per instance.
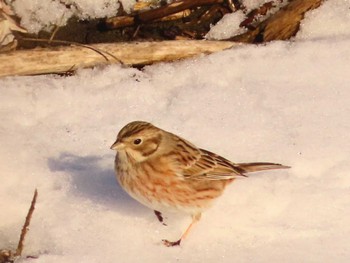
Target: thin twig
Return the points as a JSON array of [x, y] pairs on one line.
[[26, 225], [53, 34], [136, 31], [158, 13]]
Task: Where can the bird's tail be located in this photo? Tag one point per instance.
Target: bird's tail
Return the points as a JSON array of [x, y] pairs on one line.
[[256, 167]]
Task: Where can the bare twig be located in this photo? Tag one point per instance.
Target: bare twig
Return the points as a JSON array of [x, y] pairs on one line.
[[154, 14], [173, 8], [53, 34], [26, 225]]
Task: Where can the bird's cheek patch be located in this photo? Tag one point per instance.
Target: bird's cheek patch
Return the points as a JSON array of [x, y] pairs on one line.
[[149, 149]]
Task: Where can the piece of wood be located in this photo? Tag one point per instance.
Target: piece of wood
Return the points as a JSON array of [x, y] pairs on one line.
[[69, 58], [123, 21], [282, 25], [173, 8], [154, 14]]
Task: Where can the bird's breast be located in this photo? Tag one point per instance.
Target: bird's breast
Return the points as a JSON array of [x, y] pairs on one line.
[[158, 186]]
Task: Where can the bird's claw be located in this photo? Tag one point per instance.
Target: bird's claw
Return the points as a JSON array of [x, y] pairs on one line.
[[171, 243]]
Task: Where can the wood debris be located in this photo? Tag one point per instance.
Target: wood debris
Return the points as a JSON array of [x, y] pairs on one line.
[[181, 20]]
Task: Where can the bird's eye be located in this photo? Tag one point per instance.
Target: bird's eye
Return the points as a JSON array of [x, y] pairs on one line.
[[137, 141]]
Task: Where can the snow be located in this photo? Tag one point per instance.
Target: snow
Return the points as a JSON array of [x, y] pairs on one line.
[[36, 15], [39, 15], [227, 27], [285, 102], [330, 19]]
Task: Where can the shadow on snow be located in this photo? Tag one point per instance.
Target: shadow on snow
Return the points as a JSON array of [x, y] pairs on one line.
[[91, 180]]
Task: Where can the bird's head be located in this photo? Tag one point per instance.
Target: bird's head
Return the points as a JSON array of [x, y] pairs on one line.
[[139, 140]]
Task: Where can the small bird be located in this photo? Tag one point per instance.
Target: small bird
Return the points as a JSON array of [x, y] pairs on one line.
[[166, 172]]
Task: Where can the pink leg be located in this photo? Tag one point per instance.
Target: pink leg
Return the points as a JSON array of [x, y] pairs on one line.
[[195, 219]]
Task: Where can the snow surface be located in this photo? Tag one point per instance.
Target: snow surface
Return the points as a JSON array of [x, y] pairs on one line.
[[39, 15], [285, 102], [227, 27]]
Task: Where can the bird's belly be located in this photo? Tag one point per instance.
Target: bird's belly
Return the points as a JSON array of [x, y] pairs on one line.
[[164, 194]]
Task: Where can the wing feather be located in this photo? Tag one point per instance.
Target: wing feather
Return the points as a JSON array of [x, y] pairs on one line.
[[210, 166], [199, 164]]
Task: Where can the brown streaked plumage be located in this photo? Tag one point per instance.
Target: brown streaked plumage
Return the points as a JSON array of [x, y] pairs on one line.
[[166, 172]]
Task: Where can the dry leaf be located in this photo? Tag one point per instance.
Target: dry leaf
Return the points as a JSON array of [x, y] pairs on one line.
[[7, 25]]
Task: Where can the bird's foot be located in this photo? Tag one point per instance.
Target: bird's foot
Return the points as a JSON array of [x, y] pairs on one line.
[[171, 243], [159, 217]]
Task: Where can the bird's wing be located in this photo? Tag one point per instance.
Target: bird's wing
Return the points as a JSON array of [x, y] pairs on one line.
[[210, 166], [198, 164]]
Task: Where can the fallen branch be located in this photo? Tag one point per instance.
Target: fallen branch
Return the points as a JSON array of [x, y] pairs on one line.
[[282, 25], [158, 13], [62, 59]]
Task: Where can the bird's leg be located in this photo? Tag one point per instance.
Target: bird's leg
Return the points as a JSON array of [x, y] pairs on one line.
[[195, 219], [159, 217]]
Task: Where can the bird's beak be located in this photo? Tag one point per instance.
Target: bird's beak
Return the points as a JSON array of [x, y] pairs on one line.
[[117, 145]]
